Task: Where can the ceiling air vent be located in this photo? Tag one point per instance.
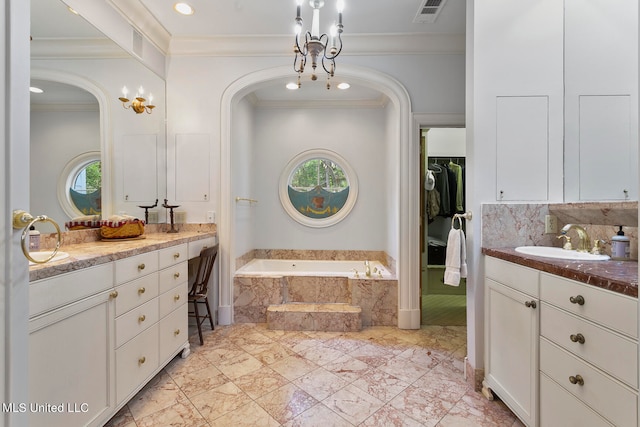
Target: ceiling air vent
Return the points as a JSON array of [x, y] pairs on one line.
[[428, 11], [136, 42]]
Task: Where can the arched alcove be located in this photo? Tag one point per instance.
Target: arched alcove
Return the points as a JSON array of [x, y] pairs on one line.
[[403, 230]]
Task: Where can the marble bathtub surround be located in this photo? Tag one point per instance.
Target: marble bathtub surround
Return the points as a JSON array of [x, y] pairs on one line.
[[378, 298], [313, 254], [512, 225], [246, 374]]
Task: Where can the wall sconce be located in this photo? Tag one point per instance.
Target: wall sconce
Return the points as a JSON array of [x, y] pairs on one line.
[[138, 102]]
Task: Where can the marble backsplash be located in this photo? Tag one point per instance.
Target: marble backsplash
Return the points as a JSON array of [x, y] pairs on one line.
[[511, 225]]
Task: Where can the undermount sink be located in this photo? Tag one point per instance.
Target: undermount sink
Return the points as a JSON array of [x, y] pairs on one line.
[[559, 253], [42, 255]]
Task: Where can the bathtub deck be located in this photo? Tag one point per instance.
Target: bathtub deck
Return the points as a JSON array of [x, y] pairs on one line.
[[302, 316]]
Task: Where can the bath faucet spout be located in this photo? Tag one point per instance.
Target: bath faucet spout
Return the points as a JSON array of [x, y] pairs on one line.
[[367, 269], [585, 241]]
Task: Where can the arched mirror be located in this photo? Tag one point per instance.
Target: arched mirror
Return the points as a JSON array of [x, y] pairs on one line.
[[318, 188]]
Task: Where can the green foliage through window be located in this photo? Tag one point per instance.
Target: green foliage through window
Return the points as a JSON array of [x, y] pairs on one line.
[[319, 172]]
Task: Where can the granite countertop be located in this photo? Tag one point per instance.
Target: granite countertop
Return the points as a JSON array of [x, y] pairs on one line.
[[83, 255], [616, 276]]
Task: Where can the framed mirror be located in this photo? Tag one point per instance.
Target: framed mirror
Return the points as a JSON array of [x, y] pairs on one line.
[[318, 188]]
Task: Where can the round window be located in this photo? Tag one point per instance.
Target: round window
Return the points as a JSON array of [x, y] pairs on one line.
[[80, 186], [318, 188]]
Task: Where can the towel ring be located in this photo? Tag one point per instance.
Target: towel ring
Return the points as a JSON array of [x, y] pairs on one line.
[[467, 215], [25, 237]]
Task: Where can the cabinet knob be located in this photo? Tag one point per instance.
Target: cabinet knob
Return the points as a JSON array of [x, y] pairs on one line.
[[578, 299], [579, 338], [530, 304], [113, 294], [576, 380], [176, 332], [176, 255], [141, 291], [177, 297], [176, 275], [142, 318], [141, 266], [142, 360]]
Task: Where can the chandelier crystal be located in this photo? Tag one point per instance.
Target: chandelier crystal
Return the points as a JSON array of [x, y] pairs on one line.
[[312, 43]]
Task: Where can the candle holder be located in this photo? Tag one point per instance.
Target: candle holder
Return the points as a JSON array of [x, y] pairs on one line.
[[146, 211], [170, 207]]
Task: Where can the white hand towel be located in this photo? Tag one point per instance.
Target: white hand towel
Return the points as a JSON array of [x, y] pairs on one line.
[[456, 258]]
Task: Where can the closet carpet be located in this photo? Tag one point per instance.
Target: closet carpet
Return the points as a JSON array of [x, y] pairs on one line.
[[444, 310], [247, 375]]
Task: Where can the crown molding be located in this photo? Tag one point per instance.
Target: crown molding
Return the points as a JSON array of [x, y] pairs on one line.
[[139, 17], [355, 44], [66, 107], [76, 49], [379, 102]]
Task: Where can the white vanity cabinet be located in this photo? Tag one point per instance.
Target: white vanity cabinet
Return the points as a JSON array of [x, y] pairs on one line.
[[71, 348], [511, 336], [151, 315], [588, 354]]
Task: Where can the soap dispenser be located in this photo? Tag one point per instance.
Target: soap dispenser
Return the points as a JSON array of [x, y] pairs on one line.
[[620, 246], [34, 239]]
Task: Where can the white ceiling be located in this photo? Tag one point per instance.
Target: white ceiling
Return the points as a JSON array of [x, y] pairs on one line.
[[267, 18]]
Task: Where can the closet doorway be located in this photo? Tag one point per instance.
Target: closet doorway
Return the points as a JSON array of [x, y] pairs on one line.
[[442, 171]]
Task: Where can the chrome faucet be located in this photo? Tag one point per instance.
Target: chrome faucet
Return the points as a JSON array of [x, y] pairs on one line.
[[367, 269], [585, 242]]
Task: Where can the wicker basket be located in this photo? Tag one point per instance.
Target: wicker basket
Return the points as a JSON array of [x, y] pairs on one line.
[[126, 229]]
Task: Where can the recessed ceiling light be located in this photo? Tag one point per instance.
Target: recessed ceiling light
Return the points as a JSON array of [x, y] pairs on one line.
[[75, 12], [344, 85], [34, 89], [292, 86], [183, 8]]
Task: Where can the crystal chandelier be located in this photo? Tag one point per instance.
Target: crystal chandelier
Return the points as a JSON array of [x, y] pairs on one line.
[[327, 47]]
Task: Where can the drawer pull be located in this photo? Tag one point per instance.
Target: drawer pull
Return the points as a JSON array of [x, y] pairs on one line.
[[576, 379], [142, 360], [142, 318], [177, 297], [176, 255], [141, 291], [176, 275], [531, 304], [577, 338], [176, 332], [141, 266], [113, 294], [579, 299]]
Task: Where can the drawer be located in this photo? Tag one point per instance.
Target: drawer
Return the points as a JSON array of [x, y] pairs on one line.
[[173, 255], [136, 292], [613, 353], [197, 245], [136, 266], [48, 294], [174, 332], [608, 397], [616, 311], [558, 407], [135, 362], [173, 299], [135, 321], [171, 276], [515, 276]]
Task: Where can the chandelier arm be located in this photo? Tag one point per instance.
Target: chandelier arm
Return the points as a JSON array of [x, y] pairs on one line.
[[331, 57], [331, 61]]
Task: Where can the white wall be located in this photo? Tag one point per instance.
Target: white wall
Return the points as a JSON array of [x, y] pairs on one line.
[[56, 138], [356, 134]]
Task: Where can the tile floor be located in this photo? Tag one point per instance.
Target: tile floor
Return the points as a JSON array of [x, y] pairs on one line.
[[248, 375]]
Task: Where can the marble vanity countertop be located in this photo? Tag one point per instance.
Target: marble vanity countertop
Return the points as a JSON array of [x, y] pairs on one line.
[[83, 255], [616, 276]]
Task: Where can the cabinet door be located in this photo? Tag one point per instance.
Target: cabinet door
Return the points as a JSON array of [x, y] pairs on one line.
[[71, 362], [511, 347], [139, 167], [193, 174], [522, 144]]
